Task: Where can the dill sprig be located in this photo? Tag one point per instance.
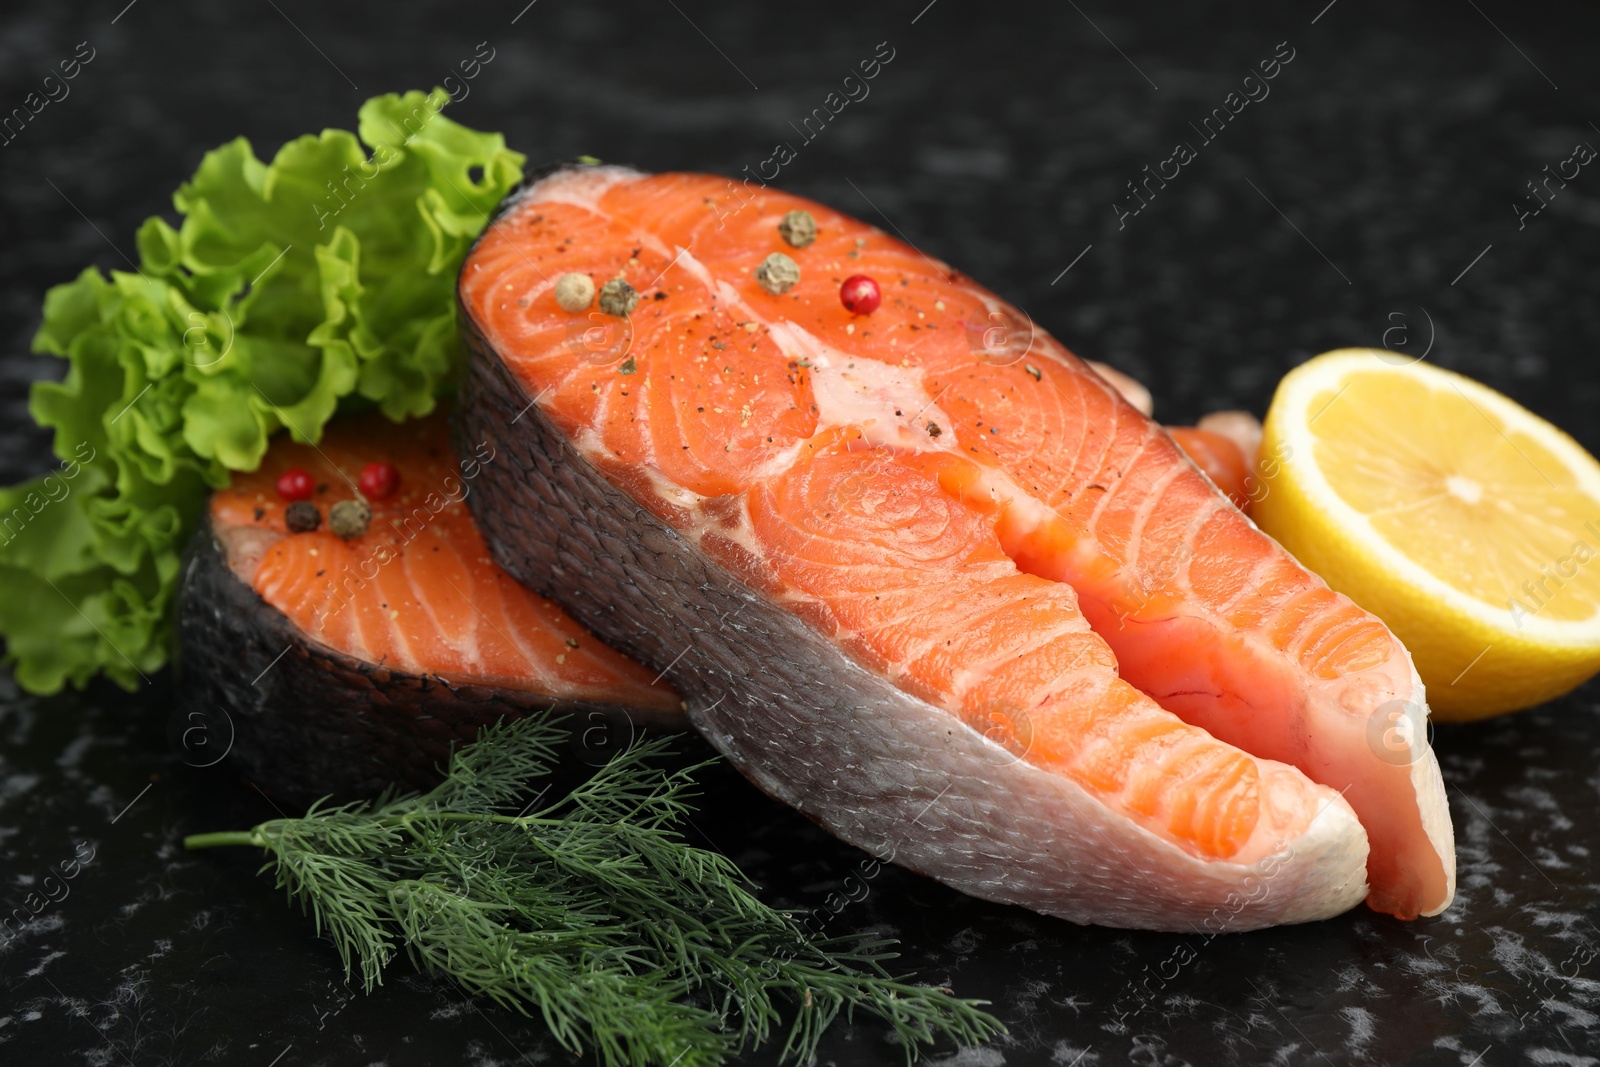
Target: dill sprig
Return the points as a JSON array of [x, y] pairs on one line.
[[592, 911]]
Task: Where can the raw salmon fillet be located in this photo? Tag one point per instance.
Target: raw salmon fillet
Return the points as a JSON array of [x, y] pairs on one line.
[[319, 665], [925, 576], [418, 592]]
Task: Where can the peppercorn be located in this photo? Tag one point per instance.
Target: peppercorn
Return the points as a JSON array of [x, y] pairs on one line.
[[295, 484], [798, 228], [778, 273], [860, 295], [349, 519], [618, 298], [379, 481], [574, 292], [302, 516]]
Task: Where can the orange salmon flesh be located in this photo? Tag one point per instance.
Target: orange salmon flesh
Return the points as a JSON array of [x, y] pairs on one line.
[[417, 591], [966, 509]]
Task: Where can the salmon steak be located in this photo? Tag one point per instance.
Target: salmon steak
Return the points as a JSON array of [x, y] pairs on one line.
[[922, 574], [352, 657]]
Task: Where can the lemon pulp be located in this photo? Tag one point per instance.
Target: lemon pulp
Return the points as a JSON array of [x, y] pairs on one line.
[[1465, 522]]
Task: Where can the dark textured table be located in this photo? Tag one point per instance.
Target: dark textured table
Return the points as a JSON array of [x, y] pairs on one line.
[[1371, 195]]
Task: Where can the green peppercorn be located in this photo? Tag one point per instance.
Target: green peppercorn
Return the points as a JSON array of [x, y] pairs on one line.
[[349, 519]]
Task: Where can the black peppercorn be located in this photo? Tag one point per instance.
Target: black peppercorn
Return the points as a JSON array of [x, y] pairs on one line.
[[302, 516]]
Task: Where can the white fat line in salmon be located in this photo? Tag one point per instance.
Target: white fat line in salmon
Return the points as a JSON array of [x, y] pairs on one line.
[[408, 528], [891, 407], [55, 489], [1255, 89], [855, 90], [1131, 593]]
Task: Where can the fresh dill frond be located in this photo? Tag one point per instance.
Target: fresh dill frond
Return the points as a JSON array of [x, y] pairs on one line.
[[591, 911]]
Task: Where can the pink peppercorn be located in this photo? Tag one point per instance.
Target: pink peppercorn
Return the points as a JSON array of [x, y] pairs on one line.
[[379, 481], [295, 484], [860, 295]]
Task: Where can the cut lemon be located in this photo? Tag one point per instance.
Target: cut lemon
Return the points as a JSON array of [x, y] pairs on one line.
[[1465, 522]]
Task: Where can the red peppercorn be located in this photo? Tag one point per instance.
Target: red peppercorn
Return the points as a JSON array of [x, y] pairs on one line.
[[295, 484], [860, 295], [379, 481]]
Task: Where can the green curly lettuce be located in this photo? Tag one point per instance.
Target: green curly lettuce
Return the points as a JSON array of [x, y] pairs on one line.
[[289, 291]]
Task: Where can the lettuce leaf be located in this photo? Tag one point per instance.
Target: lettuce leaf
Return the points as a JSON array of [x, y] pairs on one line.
[[288, 292]]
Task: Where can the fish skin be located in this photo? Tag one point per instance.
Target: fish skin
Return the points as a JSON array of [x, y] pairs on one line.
[[304, 721]]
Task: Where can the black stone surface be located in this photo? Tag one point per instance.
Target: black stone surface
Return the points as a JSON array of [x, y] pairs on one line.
[[1372, 191]]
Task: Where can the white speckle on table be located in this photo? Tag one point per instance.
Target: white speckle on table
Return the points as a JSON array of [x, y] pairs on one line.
[[972, 1057]]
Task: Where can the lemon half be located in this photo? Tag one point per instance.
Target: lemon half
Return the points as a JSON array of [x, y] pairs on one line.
[[1465, 522]]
